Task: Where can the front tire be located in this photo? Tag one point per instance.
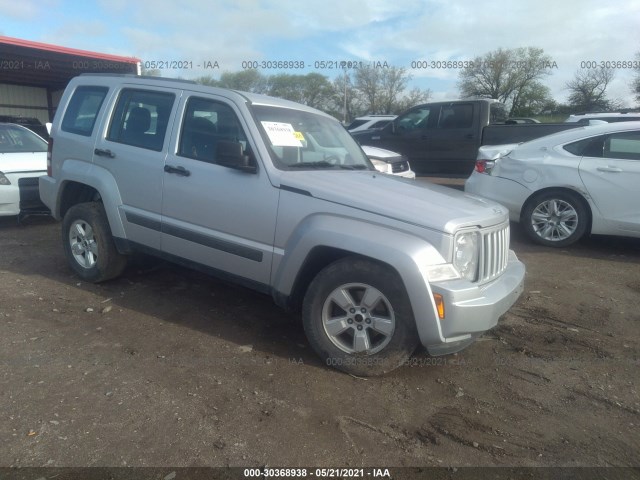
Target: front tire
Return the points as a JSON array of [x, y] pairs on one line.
[[555, 218], [88, 243], [358, 319]]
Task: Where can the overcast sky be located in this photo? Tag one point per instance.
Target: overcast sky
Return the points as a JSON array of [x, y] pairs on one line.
[[310, 31]]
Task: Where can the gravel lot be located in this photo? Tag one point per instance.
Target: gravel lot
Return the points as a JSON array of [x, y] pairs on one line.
[[167, 367]]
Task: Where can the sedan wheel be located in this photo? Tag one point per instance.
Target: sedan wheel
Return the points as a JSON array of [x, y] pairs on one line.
[[555, 219]]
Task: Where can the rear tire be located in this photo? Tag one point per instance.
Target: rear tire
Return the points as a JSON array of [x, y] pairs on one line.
[[88, 243], [555, 218], [358, 319]]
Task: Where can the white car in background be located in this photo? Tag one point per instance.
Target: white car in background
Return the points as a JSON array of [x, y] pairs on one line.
[[370, 122], [563, 186], [23, 158], [390, 162], [603, 117]]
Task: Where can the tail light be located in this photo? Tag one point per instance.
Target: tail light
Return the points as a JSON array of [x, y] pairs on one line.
[[485, 166], [49, 150]]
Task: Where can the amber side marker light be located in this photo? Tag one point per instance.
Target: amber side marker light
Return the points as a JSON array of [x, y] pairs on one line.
[[439, 305]]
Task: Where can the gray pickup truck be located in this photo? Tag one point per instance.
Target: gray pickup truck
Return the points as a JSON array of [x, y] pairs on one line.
[[278, 197], [444, 137]]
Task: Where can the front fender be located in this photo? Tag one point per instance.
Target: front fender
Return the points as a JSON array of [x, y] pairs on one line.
[[407, 254]]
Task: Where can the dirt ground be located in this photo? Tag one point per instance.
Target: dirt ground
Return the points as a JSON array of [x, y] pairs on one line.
[[167, 367]]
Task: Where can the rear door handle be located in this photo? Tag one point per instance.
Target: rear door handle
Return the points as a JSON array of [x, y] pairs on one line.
[[610, 169], [104, 153], [177, 170]]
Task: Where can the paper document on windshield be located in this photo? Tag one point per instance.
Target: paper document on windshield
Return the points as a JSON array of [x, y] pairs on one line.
[[282, 134]]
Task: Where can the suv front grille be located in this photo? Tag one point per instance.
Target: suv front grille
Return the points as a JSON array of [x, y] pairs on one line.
[[494, 253]]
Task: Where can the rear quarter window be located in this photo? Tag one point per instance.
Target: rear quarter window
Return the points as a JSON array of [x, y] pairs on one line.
[[82, 111], [587, 147]]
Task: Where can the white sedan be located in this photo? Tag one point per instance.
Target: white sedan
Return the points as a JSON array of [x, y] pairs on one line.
[[563, 186], [23, 158]]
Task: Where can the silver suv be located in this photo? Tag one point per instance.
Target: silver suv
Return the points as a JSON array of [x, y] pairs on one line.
[[278, 197]]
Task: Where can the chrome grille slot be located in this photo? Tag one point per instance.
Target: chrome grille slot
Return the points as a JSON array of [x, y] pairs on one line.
[[402, 166], [494, 253]]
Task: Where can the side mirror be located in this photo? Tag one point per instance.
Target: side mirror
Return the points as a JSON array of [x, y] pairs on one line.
[[229, 154]]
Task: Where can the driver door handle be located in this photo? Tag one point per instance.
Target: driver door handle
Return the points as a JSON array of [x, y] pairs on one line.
[[104, 152], [177, 170], [610, 169]]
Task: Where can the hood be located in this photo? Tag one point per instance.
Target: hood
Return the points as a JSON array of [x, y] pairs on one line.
[[418, 203], [23, 162], [381, 153]]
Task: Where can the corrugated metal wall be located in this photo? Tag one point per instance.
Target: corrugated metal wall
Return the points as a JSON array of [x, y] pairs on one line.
[[26, 101]]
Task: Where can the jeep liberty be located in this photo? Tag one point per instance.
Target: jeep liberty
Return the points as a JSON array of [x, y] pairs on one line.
[[278, 197]]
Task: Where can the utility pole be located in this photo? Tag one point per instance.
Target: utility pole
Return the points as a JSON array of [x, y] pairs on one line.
[[346, 80]]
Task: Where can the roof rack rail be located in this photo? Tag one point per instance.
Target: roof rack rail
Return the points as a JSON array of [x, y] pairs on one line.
[[131, 75]]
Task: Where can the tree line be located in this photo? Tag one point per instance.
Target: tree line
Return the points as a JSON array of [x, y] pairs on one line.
[[362, 91], [513, 76]]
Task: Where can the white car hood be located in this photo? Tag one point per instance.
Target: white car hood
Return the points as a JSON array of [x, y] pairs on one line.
[[23, 162], [427, 205], [380, 153]]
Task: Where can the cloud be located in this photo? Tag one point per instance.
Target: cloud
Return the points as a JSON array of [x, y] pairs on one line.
[[570, 31], [19, 10]]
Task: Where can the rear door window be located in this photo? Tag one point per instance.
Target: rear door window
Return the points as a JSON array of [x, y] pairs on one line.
[[456, 116], [623, 145], [82, 111], [141, 118]]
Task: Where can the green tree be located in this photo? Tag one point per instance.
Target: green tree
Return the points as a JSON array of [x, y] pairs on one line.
[[207, 80], [245, 80], [150, 72], [313, 89], [534, 99], [382, 90], [506, 75], [345, 102], [635, 85], [414, 97], [588, 90]]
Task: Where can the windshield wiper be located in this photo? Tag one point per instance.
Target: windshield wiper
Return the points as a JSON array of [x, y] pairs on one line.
[[319, 164], [325, 164], [353, 167]]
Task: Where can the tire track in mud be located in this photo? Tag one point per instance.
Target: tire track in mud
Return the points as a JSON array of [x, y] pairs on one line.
[[526, 330]]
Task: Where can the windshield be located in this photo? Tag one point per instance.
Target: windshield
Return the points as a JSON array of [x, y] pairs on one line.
[[18, 139], [300, 140]]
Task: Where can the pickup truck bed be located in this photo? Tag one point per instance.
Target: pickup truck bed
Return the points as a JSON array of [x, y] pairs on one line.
[[443, 138], [498, 134]]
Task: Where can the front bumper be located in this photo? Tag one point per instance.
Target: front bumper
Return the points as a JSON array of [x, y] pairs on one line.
[[473, 309]]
